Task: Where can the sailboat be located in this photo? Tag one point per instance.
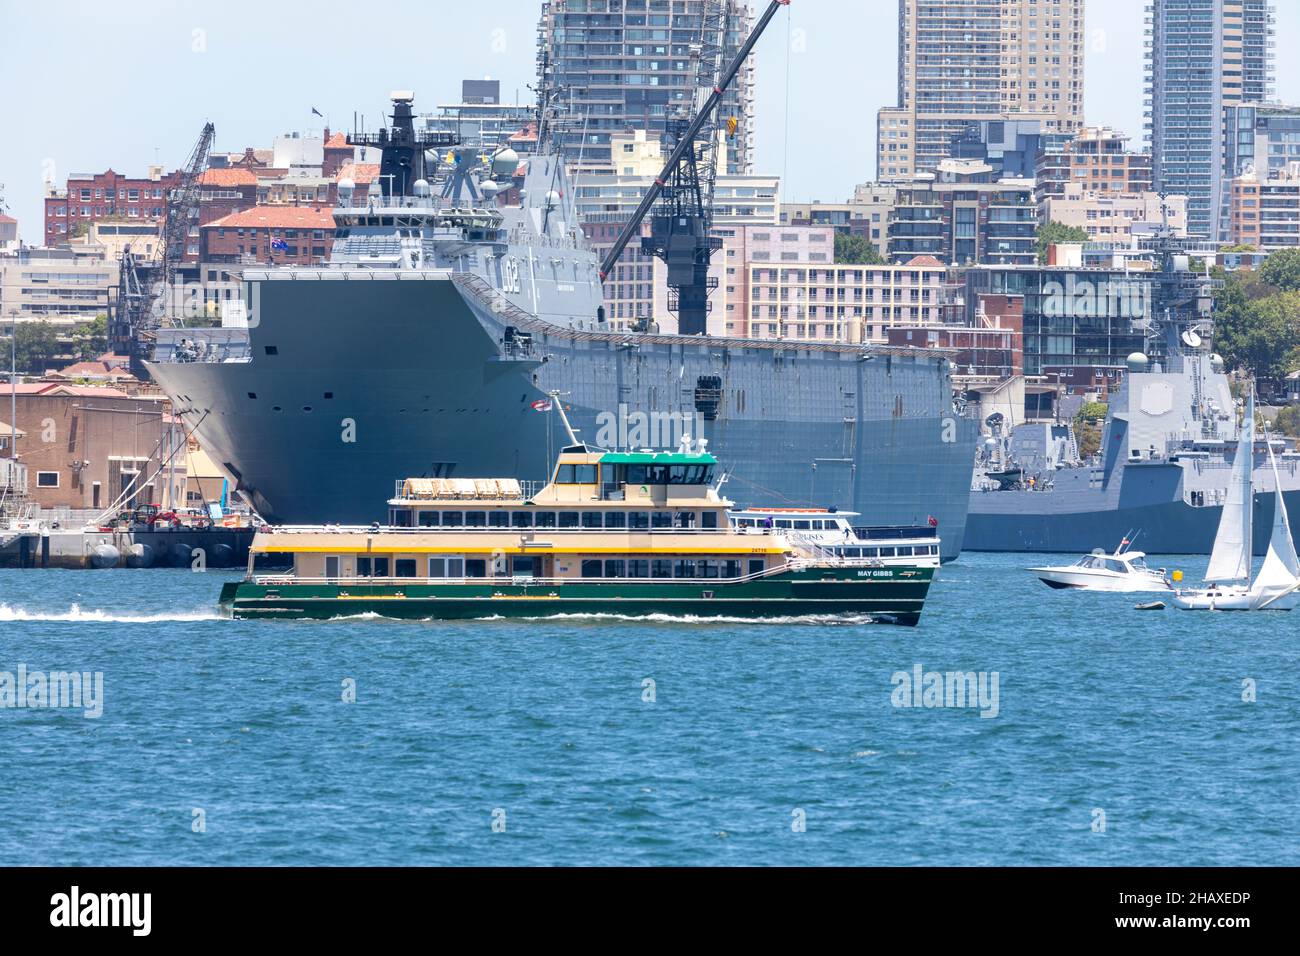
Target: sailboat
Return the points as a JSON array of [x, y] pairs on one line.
[[1227, 580]]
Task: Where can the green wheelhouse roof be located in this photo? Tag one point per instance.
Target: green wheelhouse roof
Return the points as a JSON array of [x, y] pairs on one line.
[[656, 458]]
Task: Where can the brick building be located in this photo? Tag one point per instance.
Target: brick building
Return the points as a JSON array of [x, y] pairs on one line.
[[275, 235], [1096, 160], [88, 198]]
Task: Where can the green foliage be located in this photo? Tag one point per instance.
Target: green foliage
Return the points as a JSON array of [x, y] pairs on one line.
[[1282, 270], [1088, 438], [1051, 233], [1288, 421], [37, 343], [1091, 412], [1242, 247], [856, 251], [90, 341]]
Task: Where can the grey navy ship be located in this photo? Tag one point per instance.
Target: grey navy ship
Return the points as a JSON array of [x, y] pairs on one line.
[[464, 297], [1168, 443]]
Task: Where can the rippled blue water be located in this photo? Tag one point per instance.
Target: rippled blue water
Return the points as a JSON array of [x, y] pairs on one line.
[[1138, 715]]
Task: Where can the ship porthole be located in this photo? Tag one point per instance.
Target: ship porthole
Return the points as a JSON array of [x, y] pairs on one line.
[[276, 408], [306, 408]]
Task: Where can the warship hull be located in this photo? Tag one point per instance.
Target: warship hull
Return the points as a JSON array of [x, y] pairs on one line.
[[344, 387], [1170, 527]]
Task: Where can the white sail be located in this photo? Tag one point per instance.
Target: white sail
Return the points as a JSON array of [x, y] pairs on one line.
[[1280, 571], [1230, 559]]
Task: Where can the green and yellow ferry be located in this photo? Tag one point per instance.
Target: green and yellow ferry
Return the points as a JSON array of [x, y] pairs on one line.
[[624, 533]]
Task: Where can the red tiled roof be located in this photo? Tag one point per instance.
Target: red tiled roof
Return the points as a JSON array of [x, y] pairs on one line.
[[60, 388], [277, 217], [228, 177], [7, 219], [100, 369], [924, 261], [337, 141], [360, 173]]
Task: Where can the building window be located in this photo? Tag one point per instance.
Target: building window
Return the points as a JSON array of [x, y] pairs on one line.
[[47, 479]]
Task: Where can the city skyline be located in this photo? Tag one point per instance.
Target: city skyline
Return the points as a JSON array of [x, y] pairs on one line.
[[181, 67]]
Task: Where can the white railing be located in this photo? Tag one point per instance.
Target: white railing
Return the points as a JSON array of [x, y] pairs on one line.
[[274, 580]]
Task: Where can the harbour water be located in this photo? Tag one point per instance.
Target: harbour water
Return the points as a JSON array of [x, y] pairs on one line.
[[1120, 737]]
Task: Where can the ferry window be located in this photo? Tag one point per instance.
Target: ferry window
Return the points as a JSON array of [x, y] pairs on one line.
[[685, 519], [615, 519], [731, 569], [568, 519], [615, 569], [638, 568], [585, 474], [476, 519], [684, 569], [363, 567], [784, 523], [564, 475], [887, 552], [475, 568], [545, 519], [522, 519], [331, 566], [656, 474], [661, 569], [428, 519], [455, 567], [609, 475], [592, 568], [706, 569], [870, 553], [756, 565], [803, 525], [708, 519], [904, 552], [592, 519], [452, 519], [523, 566], [636, 474], [638, 519], [661, 519], [381, 567], [406, 567], [499, 519], [437, 568]]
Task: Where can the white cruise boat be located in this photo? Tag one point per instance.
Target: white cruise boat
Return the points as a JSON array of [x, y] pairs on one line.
[[1122, 571], [834, 531]]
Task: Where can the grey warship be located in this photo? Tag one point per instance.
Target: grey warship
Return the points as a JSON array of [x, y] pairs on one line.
[[1168, 444], [464, 298]]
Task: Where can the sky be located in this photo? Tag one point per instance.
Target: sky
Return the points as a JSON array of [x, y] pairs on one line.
[[89, 85]]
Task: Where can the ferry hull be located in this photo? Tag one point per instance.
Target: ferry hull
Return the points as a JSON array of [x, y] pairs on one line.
[[885, 595]]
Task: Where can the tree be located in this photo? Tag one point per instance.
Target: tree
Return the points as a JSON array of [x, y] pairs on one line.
[[37, 343], [1051, 233], [90, 341], [1288, 421], [1282, 270], [856, 251], [1087, 430]]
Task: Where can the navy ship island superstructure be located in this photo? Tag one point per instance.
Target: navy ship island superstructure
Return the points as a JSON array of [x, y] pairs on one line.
[[456, 301], [1167, 451]]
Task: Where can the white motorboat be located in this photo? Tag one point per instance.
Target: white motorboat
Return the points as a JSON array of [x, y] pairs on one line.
[[1228, 586], [1123, 571]]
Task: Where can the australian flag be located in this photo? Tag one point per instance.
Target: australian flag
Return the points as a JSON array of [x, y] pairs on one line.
[[280, 244]]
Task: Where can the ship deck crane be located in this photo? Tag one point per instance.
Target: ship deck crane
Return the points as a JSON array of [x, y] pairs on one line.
[[681, 230]]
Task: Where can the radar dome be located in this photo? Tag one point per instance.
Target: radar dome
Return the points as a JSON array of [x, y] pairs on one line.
[[421, 187], [490, 188], [505, 163], [552, 199], [346, 186], [1216, 362], [1136, 362]]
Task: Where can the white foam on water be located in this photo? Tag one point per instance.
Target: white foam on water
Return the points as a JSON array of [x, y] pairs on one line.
[[98, 616]]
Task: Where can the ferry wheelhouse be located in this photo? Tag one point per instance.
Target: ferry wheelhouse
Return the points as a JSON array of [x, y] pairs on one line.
[[629, 533]]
